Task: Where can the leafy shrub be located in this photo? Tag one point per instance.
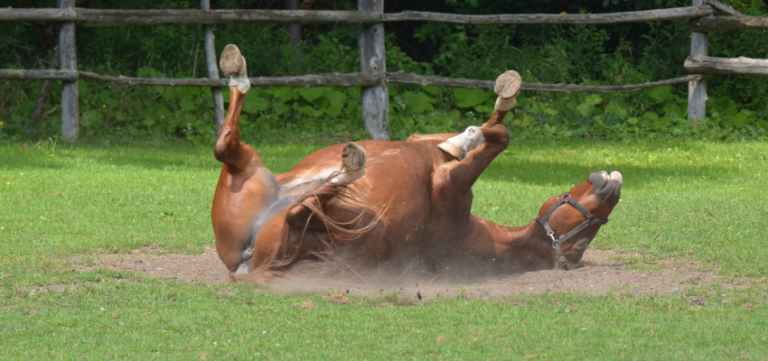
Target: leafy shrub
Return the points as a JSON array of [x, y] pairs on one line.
[[590, 55]]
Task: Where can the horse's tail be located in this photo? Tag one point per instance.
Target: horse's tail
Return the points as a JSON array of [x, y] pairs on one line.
[[315, 201]]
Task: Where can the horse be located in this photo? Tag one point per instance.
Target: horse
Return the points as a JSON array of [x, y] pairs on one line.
[[379, 201]]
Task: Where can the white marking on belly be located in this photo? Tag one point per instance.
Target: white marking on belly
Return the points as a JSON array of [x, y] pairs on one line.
[[311, 176], [348, 176], [395, 151], [243, 268], [275, 207]]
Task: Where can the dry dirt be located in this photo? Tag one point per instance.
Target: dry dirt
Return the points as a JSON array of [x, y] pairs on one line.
[[609, 271]]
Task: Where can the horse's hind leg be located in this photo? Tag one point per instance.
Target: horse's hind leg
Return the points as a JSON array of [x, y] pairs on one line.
[[246, 188], [353, 160], [229, 150]]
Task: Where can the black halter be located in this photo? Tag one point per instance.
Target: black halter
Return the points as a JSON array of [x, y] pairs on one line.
[[591, 221]]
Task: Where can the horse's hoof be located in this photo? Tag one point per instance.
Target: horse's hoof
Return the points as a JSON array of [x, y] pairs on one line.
[[452, 149], [508, 84], [353, 156], [232, 62], [458, 146]]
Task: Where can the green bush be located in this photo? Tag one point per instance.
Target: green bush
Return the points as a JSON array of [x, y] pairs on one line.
[[589, 55]]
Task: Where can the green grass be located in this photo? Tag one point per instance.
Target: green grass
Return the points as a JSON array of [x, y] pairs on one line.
[[681, 199]]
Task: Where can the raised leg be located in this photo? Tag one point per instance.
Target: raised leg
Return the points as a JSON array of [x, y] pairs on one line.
[[353, 160], [246, 188], [507, 87], [478, 146], [229, 150]]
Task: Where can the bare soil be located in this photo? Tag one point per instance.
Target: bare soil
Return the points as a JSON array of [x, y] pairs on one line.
[[609, 271]]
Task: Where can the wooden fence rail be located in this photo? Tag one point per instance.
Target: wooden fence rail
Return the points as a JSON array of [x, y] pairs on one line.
[[333, 79], [727, 66], [111, 18], [373, 76], [560, 19]]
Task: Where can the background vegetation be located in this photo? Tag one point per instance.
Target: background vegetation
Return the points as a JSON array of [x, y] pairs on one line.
[[591, 55]]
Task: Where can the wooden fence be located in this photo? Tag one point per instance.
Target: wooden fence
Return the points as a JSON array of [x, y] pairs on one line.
[[705, 15]]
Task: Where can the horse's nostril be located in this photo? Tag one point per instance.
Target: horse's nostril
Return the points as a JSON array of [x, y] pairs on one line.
[[615, 175]]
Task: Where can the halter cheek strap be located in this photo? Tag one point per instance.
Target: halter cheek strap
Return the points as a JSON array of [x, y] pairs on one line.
[[591, 221]]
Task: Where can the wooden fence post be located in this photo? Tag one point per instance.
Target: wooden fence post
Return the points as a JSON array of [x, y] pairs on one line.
[[70, 95], [697, 89], [293, 29], [213, 70], [375, 99]]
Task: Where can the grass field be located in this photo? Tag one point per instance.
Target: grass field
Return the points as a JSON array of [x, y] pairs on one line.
[[681, 199]]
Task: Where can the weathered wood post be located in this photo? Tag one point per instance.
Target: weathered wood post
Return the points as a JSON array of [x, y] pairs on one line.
[[70, 95], [375, 99], [293, 29], [213, 70], [697, 89]]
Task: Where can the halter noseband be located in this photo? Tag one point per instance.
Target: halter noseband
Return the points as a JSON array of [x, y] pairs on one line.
[[591, 221]]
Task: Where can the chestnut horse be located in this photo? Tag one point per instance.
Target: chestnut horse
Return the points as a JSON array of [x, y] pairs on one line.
[[380, 201]]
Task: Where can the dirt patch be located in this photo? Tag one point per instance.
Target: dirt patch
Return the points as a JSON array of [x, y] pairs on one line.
[[205, 267], [609, 271]]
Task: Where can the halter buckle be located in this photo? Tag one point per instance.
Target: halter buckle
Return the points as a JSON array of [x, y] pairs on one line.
[[552, 235]]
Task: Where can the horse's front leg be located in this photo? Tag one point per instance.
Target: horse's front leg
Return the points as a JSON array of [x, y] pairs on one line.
[[477, 147], [507, 87]]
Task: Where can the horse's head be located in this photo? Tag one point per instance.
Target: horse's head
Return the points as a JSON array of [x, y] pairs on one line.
[[573, 219]]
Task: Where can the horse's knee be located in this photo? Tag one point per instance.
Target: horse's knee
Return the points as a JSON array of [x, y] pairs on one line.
[[497, 135]]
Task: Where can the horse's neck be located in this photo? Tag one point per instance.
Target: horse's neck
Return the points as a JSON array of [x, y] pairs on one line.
[[528, 239]]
